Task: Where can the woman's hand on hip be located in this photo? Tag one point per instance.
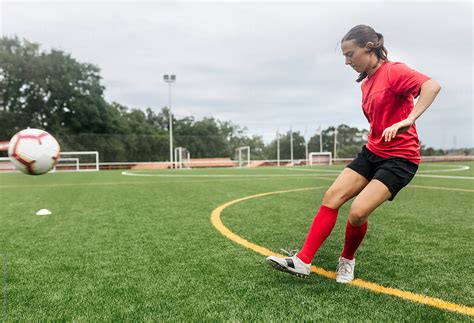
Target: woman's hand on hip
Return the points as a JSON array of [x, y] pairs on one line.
[[396, 129]]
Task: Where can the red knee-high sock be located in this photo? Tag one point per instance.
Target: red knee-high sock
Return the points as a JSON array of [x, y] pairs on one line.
[[354, 236], [321, 227]]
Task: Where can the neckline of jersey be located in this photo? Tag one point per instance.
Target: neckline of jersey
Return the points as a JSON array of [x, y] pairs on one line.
[[378, 69]]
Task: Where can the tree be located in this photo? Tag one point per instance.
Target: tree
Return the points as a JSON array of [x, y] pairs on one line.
[[48, 90], [299, 147], [349, 141]]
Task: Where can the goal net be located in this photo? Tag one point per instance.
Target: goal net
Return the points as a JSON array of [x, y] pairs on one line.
[[77, 161], [182, 158], [243, 156], [324, 158]]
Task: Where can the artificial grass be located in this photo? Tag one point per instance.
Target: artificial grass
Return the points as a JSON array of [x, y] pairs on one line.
[[143, 248]]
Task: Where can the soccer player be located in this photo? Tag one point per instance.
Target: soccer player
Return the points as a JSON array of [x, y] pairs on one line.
[[385, 165]]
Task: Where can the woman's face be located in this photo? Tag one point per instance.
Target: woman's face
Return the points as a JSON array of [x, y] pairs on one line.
[[359, 58]]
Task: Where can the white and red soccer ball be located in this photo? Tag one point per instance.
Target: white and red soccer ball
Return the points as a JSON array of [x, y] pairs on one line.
[[33, 151]]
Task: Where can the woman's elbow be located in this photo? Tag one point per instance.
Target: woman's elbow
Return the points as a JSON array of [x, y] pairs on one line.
[[436, 87]]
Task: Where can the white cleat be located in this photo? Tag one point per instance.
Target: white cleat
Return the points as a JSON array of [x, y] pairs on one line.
[[292, 265], [345, 270]]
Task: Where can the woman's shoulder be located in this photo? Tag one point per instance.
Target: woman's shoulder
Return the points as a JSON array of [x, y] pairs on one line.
[[395, 66], [396, 70]]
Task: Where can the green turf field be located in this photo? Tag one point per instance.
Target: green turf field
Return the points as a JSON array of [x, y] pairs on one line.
[[143, 247]]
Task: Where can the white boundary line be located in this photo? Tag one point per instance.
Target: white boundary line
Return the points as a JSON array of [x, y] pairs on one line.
[[219, 175], [274, 175], [456, 168], [445, 176]]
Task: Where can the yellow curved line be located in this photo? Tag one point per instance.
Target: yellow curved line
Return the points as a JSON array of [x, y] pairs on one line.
[[418, 298]]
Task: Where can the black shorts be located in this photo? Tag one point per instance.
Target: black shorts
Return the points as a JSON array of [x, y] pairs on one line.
[[394, 172]]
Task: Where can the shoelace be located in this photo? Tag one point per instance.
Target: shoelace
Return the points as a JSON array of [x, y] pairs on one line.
[[290, 253], [344, 267]]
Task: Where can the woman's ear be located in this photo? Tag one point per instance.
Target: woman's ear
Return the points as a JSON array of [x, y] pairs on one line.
[[369, 46]]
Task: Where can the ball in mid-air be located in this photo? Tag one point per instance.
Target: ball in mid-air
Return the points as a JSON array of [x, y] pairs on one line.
[[33, 151]]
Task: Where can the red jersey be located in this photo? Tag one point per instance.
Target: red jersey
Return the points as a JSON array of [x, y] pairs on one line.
[[387, 98]]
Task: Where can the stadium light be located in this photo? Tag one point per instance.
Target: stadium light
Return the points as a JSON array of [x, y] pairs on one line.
[[170, 79]]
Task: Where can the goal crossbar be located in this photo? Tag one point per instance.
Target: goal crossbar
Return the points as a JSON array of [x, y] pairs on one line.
[[87, 167], [320, 158]]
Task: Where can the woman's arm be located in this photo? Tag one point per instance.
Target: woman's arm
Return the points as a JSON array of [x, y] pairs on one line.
[[429, 91]]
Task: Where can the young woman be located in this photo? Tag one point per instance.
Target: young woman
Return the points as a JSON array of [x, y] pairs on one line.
[[385, 165]]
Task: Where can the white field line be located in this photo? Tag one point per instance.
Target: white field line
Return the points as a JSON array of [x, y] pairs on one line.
[[445, 176], [188, 181], [275, 175], [457, 168], [311, 170], [220, 175]]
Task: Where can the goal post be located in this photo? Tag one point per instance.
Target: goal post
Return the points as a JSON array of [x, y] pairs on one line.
[[243, 156], [73, 161], [320, 158], [77, 161], [182, 158], [66, 163]]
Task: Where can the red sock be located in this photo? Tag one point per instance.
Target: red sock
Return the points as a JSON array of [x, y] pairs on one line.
[[322, 226], [354, 236]]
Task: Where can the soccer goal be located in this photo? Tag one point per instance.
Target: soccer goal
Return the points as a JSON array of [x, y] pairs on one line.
[[77, 161], [324, 158], [182, 158], [243, 156]]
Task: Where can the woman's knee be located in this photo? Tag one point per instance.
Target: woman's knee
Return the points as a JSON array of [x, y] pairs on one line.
[[334, 198], [357, 215]]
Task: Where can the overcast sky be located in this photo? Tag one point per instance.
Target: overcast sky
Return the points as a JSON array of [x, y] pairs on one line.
[[261, 64]]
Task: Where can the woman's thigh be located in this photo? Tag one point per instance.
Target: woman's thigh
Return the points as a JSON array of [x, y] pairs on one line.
[[348, 184]]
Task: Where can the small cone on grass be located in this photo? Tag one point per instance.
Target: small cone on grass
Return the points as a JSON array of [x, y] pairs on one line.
[[43, 212]]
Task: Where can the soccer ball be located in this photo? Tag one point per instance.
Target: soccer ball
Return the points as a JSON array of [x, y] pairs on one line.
[[33, 151]]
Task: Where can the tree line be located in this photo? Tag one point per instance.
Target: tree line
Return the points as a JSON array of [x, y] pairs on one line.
[[53, 91]]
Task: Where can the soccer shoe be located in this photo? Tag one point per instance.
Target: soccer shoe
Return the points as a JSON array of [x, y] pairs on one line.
[[345, 270], [292, 265]]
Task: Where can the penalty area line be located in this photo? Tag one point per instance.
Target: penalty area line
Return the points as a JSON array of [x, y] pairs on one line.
[[413, 297]]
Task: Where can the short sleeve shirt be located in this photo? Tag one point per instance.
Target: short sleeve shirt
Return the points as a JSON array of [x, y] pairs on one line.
[[387, 98]]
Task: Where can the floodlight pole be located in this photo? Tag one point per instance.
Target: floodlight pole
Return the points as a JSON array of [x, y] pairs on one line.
[[291, 145], [305, 146], [278, 148], [335, 140], [170, 79], [320, 140], [306, 151]]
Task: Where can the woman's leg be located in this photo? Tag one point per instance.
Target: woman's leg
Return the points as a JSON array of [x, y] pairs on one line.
[[372, 196], [347, 185]]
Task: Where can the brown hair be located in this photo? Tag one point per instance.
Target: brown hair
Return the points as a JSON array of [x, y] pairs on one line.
[[362, 34]]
